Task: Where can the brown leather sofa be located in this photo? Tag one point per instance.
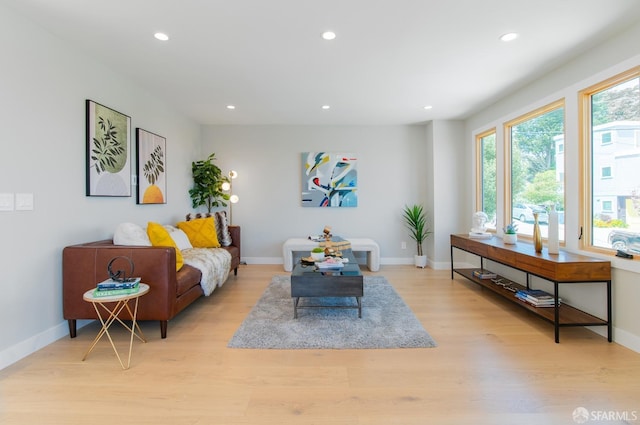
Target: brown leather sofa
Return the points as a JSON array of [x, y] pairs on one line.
[[84, 265]]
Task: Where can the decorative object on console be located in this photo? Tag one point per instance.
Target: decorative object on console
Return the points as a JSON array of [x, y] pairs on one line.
[[479, 228], [329, 179], [416, 221], [207, 184], [537, 235], [150, 171], [510, 234], [108, 151], [553, 242]]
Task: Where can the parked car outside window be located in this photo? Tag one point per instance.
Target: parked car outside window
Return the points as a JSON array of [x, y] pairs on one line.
[[524, 212], [625, 240]]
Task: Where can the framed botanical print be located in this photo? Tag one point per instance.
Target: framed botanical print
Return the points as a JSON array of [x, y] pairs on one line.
[[108, 165], [151, 170]]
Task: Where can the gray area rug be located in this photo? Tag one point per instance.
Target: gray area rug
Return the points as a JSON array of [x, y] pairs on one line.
[[387, 322]]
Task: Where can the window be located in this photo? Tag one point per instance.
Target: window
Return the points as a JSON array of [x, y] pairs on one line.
[[535, 165], [610, 120], [486, 166]]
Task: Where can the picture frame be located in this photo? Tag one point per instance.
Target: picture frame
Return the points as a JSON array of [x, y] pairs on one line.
[[151, 150], [108, 151], [329, 179]]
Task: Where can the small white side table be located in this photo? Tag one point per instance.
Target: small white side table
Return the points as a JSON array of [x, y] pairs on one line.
[[121, 303]]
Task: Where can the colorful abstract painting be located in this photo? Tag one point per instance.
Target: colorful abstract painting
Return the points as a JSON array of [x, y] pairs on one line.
[[329, 179]]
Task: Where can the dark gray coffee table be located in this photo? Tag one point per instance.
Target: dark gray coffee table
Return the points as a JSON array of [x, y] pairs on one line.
[[310, 282]]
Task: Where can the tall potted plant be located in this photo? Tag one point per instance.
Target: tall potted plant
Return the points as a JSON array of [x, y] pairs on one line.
[[416, 221], [207, 184]]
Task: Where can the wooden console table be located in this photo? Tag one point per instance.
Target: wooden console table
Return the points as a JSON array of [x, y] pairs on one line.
[[562, 268]]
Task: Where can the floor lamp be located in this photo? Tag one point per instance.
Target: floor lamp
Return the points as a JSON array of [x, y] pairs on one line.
[[233, 198]]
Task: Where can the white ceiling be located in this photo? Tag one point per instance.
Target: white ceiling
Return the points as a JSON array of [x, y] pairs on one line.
[[389, 60]]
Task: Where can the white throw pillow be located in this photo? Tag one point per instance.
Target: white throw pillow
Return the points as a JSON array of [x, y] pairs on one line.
[[130, 234], [179, 237]]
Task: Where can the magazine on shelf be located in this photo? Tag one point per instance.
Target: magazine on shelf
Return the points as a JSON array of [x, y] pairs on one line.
[[484, 274], [537, 297]]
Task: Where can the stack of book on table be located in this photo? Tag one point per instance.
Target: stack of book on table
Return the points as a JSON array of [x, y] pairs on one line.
[[537, 297], [331, 263], [110, 287], [484, 274]]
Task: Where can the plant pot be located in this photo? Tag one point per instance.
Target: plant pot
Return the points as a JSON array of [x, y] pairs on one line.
[[317, 256], [420, 261], [510, 238]]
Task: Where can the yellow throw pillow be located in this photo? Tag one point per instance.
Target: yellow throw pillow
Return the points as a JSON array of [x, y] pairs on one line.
[[201, 232], [159, 236]]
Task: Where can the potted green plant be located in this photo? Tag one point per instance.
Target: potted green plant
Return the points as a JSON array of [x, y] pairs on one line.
[[317, 253], [416, 221], [510, 233], [207, 184]]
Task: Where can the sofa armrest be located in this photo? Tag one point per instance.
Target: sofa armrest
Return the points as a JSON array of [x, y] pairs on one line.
[[85, 265], [235, 236]]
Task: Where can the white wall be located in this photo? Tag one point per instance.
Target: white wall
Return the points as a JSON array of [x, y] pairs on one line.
[[43, 86], [447, 188], [392, 171], [612, 57]]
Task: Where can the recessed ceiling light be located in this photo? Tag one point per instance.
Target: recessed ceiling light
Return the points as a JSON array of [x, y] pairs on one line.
[[328, 35], [161, 36], [231, 107], [428, 107], [510, 36], [325, 107]]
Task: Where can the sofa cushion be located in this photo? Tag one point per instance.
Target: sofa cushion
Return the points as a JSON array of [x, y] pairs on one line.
[[222, 228], [159, 236], [186, 278], [201, 232], [179, 237], [130, 234]]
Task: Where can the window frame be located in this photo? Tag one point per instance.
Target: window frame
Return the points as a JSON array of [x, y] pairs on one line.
[[585, 147], [480, 170], [508, 190]]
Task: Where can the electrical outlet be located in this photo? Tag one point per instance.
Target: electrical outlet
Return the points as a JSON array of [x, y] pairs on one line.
[[403, 245]]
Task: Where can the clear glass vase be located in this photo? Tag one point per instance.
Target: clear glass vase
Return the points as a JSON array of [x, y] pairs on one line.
[[537, 235]]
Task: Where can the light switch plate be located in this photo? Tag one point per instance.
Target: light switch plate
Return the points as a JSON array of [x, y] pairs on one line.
[[6, 202], [24, 201]]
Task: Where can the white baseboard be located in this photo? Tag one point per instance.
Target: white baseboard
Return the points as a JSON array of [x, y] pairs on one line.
[[31, 345]]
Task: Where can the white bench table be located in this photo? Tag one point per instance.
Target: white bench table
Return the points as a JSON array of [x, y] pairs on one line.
[[357, 245]]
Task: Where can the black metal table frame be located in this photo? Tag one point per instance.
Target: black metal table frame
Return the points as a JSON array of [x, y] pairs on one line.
[[556, 322]]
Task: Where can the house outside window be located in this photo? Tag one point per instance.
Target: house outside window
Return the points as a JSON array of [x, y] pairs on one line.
[[610, 123]]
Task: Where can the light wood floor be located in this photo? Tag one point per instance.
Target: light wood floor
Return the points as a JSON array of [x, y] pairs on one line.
[[494, 364]]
